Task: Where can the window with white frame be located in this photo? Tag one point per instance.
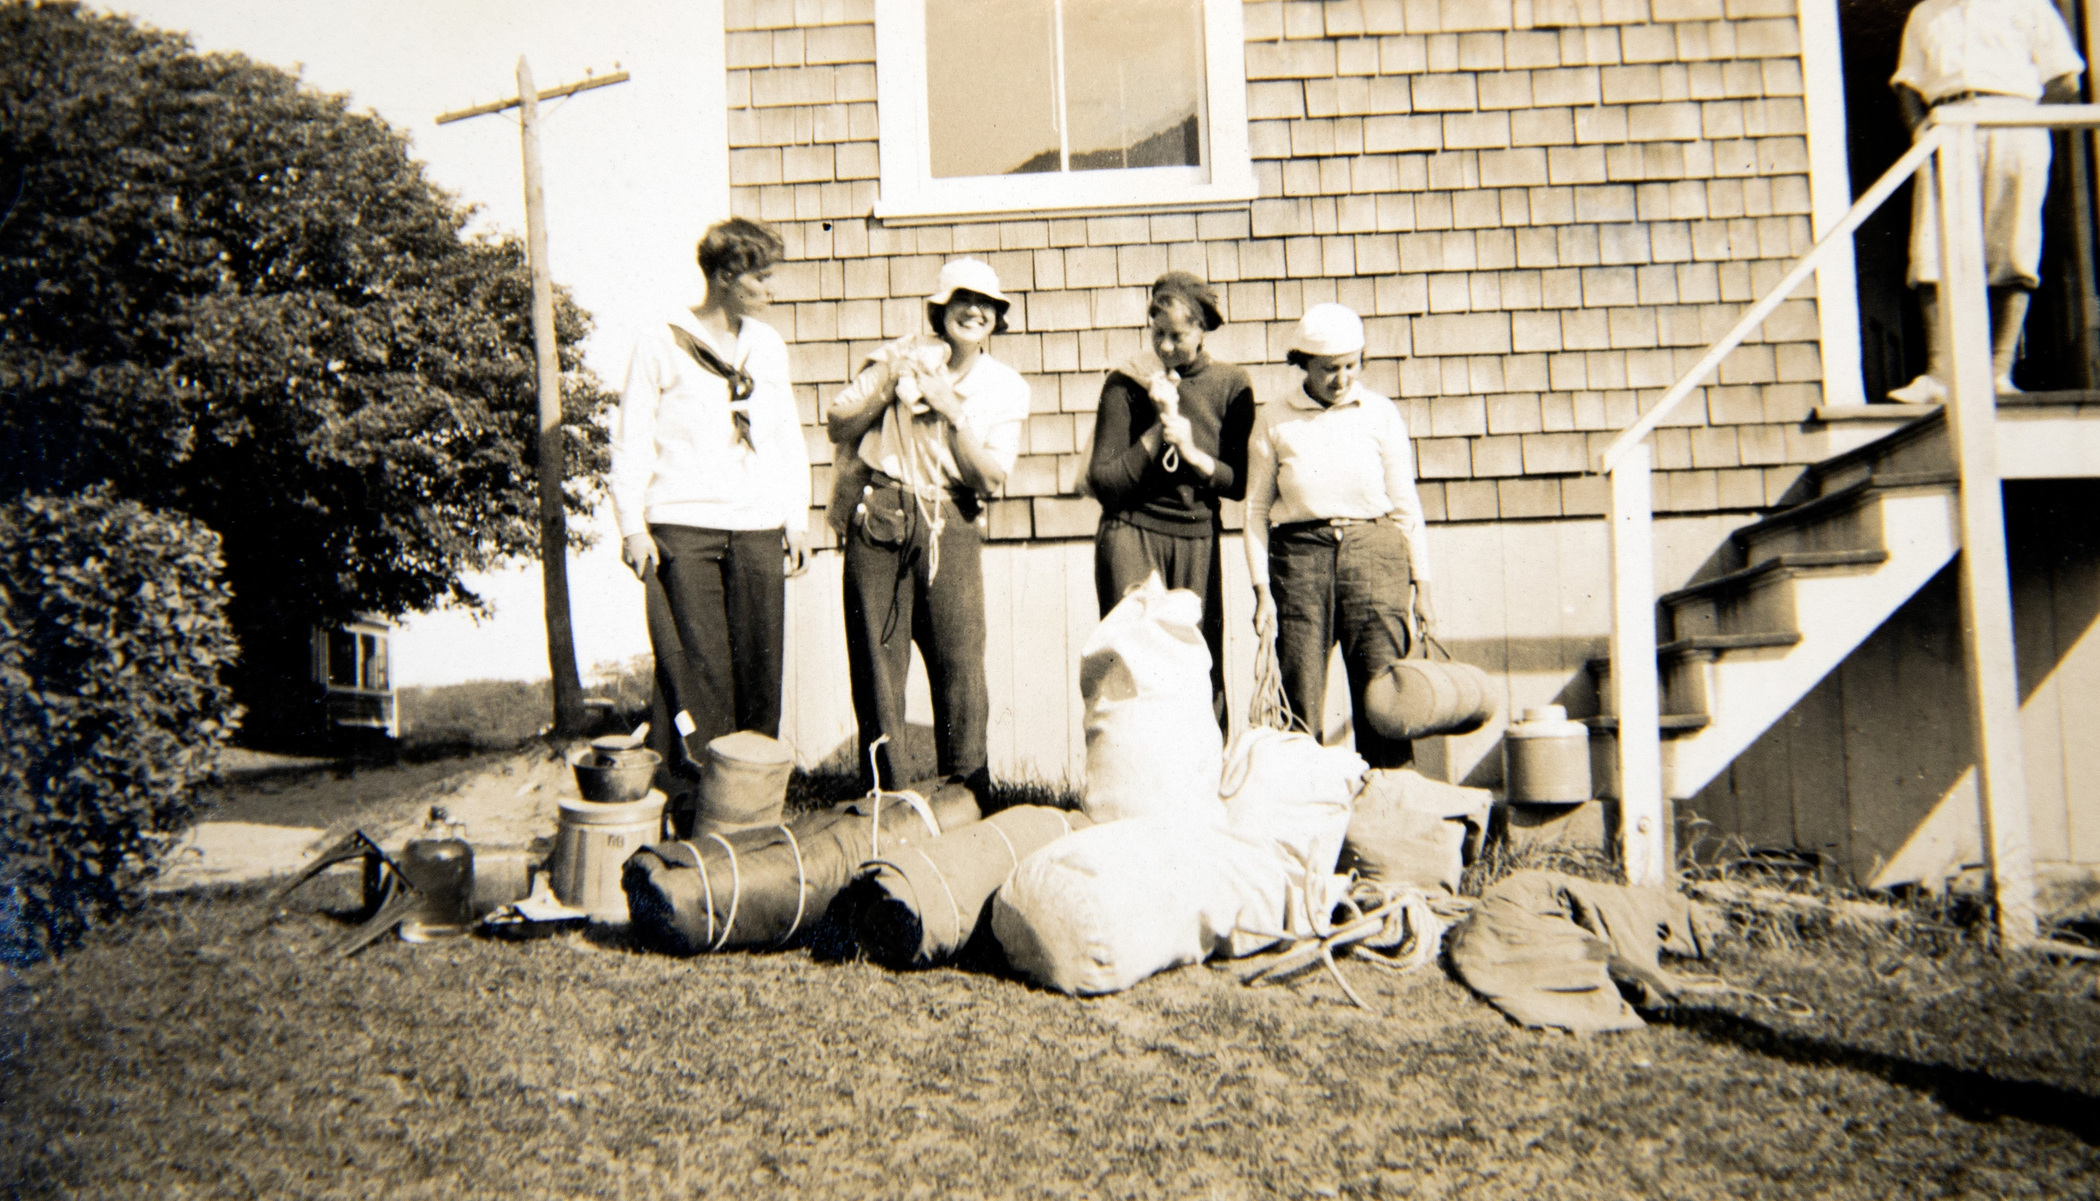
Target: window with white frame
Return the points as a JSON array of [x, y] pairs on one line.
[[1000, 106]]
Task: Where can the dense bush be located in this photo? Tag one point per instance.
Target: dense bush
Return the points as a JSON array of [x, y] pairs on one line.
[[112, 637]]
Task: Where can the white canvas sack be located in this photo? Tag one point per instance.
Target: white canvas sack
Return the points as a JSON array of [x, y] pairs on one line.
[[1103, 908], [1152, 744]]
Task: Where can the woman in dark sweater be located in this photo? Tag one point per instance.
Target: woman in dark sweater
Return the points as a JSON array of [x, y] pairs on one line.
[[1170, 440]]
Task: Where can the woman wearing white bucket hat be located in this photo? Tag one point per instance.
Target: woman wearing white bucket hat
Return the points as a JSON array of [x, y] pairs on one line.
[[933, 424], [1335, 532]]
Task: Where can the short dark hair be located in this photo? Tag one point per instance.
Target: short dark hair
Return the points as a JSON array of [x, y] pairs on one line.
[[1297, 358], [1190, 310], [937, 314], [738, 246]]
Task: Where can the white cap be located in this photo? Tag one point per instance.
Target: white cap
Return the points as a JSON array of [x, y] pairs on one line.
[[1328, 329], [968, 275]]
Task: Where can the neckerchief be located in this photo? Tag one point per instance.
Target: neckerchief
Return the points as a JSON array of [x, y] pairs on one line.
[[740, 383]]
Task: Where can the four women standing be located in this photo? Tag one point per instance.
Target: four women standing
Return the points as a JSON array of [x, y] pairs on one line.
[[711, 482]]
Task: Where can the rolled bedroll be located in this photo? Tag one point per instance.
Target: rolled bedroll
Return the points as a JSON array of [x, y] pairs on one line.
[[920, 903], [762, 887]]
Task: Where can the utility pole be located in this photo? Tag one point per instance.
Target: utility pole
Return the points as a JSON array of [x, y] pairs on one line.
[[569, 716]]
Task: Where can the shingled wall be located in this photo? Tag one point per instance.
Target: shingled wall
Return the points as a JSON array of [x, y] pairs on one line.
[[1545, 210]]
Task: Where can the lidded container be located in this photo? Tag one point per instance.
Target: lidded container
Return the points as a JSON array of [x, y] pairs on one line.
[[1546, 758], [439, 865], [591, 845], [744, 783]]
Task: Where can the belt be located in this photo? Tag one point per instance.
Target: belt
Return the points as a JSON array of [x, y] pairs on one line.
[[1965, 97], [882, 479], [1321, 523]]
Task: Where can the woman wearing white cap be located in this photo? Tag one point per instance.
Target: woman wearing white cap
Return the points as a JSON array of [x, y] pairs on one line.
[[1335, 533], [933, 423]]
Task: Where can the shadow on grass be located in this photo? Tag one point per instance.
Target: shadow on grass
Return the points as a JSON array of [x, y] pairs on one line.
[[1967, 1093]]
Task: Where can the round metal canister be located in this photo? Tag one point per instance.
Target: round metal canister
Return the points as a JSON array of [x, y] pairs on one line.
[[592, 843], [1546, 758], [440, 866]]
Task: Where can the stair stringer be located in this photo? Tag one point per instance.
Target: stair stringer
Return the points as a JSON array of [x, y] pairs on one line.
[[1750, 690]]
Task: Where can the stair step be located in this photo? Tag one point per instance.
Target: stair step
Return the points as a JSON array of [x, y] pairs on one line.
[[1838, 501], [1925, 421], [1791, 562], [1600, 665], [1676, 723], [1721, 643]]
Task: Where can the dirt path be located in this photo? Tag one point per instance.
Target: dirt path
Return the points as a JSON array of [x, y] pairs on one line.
[[274, 812]]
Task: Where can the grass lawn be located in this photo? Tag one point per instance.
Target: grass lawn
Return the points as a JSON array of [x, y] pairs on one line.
[[184, 1056]]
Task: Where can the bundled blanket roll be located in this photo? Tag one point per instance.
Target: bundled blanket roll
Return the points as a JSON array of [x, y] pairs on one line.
[[920, 903], [761, 887]]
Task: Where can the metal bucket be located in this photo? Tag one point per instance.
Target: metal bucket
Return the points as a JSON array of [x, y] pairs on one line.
[[612, 776], [1418, 698], [591, 845]]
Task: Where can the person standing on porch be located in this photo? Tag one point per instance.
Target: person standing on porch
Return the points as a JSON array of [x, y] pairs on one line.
[[934, 424], [710, 481], [1170, 442], [2004, 54], [1335, 530]]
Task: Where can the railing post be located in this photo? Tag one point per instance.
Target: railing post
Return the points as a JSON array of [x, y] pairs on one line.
[[1635, 691], [1986, 589]]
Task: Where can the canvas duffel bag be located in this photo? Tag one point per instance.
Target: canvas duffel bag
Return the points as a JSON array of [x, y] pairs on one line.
[[918, 904], [761, 887]]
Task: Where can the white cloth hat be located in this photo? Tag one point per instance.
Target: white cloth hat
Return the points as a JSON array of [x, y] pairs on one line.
[[1328, 329], [968, 275]]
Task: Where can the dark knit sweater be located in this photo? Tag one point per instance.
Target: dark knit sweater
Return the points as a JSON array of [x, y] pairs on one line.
[[1218, 401]]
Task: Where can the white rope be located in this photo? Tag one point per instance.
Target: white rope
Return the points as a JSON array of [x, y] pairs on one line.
[[1270, 705], [801, 886], [1011, 853], [954, 906], [736, 894], [707, 889]]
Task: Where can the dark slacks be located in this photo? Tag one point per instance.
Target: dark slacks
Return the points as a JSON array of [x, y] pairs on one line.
[[1125, 554], [1348, 584], [894, 599], [717, 609]]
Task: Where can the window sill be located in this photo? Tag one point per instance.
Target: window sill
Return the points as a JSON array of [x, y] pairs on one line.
[[964, 202]]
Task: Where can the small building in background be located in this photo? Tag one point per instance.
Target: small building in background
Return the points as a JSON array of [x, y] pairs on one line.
[[352, 663]]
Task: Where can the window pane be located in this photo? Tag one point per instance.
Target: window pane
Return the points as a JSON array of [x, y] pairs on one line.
[[1134, 83], [375, 660], [989, 95], [342, 658]]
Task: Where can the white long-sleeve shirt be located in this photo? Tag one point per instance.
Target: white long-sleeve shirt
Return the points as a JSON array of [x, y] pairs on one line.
[[676, 458], [1308, 462]]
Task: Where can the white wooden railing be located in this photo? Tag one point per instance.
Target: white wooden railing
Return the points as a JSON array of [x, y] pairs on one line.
[[1986, 595]]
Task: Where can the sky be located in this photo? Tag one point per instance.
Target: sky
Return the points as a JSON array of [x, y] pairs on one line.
[[633, 174]]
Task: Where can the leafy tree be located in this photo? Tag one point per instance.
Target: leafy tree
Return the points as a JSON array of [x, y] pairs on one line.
[[224, 294]]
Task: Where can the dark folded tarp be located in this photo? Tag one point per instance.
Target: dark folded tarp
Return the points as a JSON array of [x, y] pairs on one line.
[[759, 888], [1544, 948], [919, 904]]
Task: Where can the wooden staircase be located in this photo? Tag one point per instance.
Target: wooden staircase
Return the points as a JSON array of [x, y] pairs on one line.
[[1799, 591]]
